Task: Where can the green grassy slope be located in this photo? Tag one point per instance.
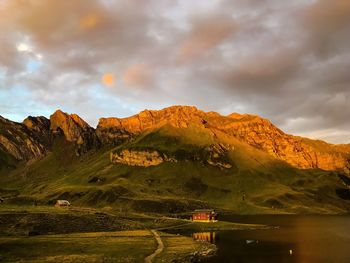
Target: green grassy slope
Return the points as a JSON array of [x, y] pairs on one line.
[[256, 182]]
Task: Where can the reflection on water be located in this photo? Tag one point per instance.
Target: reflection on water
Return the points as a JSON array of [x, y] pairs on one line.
[[205, 237], [305, 239], [309, 239]]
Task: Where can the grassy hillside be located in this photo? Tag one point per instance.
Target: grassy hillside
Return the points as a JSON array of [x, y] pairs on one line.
[[255, 183]]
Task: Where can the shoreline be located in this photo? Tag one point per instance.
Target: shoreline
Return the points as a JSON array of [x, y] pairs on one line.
[[110, 234], [120, 246], [25, 228]]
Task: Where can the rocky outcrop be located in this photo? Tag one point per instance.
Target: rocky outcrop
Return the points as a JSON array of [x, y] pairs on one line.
[[71, 127], [75, 130], [297, 151], [215, 155], [39, 124], [109, 134], [254, 130], [138, 158], [218, 155], [40, 127], [34, 136], [19, 142], [177, 116], [114, 130]]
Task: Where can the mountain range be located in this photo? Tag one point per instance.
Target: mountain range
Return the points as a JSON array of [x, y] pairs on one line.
[[172, 160]]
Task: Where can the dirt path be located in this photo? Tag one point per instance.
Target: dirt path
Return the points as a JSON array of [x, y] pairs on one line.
[[159, 249], [176, 226]]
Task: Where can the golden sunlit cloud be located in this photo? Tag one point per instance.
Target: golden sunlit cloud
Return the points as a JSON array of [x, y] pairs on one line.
[[108, 79], [137, 75], [204, 36], [89, 21]]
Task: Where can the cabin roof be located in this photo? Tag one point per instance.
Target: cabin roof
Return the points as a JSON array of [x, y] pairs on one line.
[[203, 211], [62, 201]]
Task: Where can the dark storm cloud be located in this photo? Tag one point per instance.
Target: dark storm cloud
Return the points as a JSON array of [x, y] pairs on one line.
[[287, 61]]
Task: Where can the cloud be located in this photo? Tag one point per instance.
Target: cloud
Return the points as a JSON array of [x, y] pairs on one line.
[[268, 73], [326, 26], [285, 60], [89, 21], [137, 75], [205, 34], [325, 17]]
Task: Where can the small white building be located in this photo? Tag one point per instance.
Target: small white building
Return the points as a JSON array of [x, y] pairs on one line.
[[62, 203]]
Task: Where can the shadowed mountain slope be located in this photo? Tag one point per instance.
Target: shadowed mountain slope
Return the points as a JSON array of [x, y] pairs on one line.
[[19, 143]]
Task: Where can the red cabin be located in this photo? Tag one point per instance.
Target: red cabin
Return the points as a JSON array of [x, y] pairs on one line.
[[204, 215]]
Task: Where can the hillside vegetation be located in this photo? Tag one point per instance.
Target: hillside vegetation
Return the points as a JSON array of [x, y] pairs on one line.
[[176, 162]]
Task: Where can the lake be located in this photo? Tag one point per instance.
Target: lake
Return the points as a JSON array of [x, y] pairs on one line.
[[294, 239]]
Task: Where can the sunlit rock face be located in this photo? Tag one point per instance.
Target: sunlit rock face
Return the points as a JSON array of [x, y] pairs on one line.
[[138, 158], [257, 132], [177, 116], [114, 130], [71, 125], [74, 129], [34, 136], [299, 152], [19, 141], [214, 155]]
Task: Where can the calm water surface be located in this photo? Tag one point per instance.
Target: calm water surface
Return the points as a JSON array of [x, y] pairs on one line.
[[297, 239]]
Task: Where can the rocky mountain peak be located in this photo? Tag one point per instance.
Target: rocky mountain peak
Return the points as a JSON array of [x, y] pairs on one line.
[[251, 129], [177, 116], [40, 129], [36, 134], [118, 129], [75, 129], [71, 125], [235, 115], [19, 142], [38, 124], [79, 121]]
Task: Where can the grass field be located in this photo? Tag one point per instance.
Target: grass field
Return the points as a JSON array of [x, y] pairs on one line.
[[115, 205], [123, 246], [130, 246], [256, 182], [49, 234]]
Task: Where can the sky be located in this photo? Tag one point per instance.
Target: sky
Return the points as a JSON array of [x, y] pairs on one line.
[[287, 61]]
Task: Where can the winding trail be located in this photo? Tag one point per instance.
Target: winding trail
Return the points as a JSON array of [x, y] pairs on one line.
[[176, 226], [159, 249]]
